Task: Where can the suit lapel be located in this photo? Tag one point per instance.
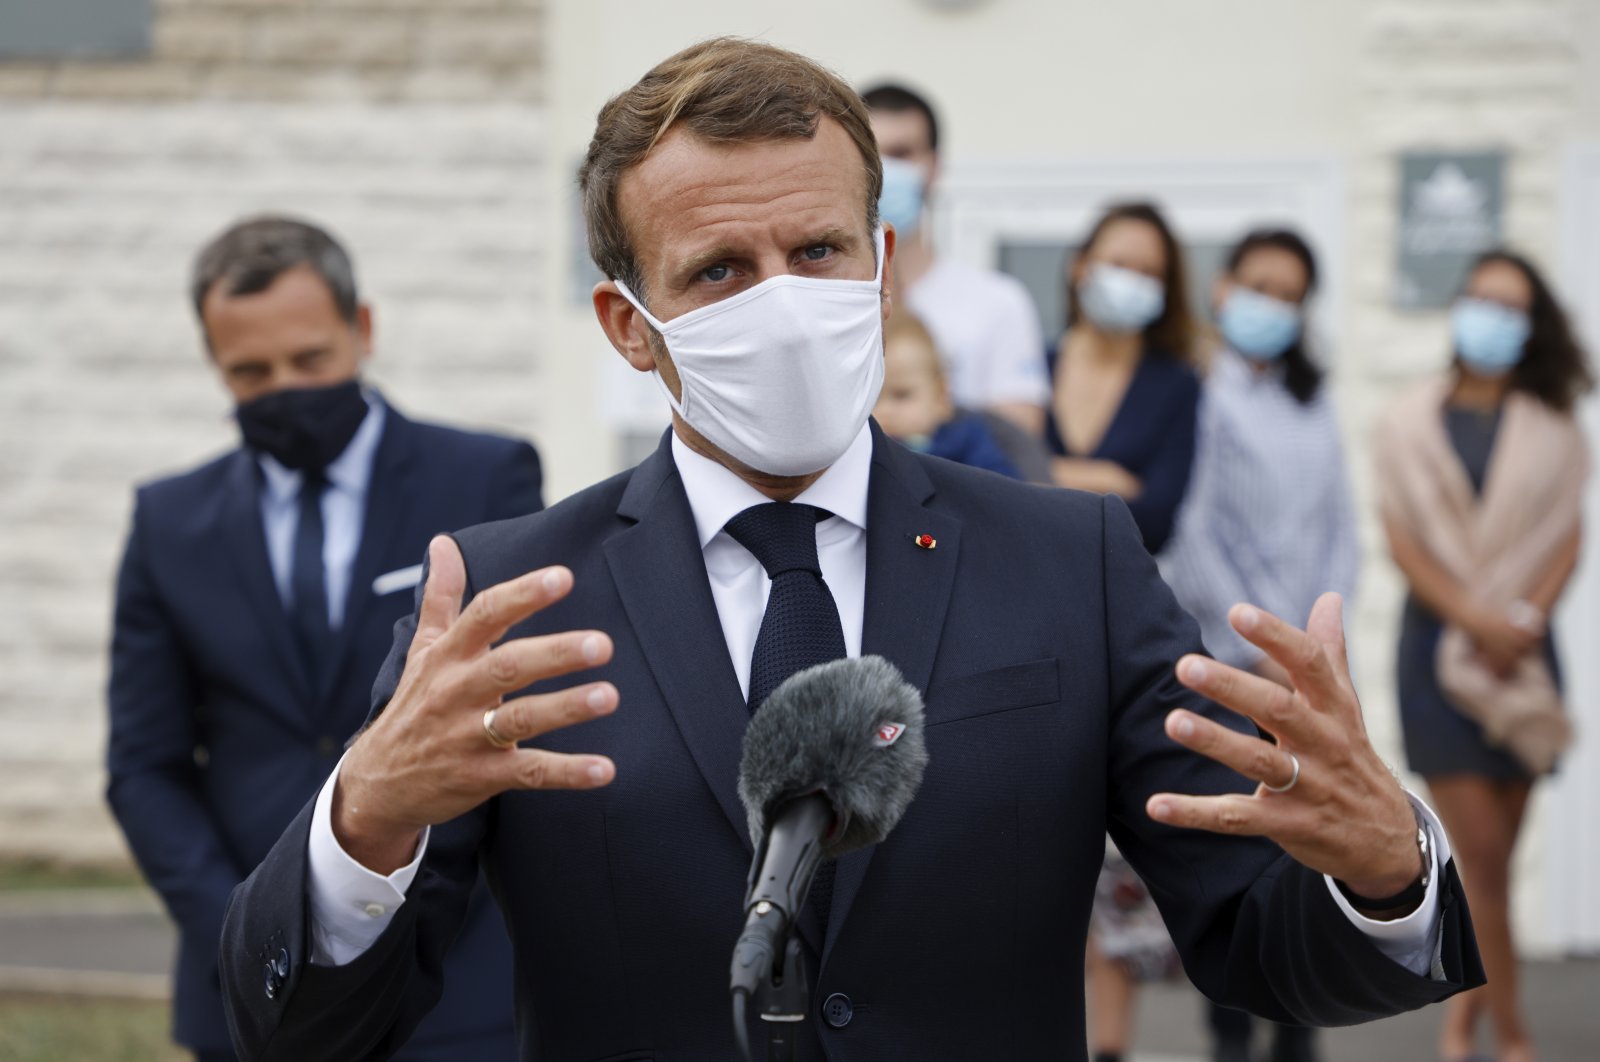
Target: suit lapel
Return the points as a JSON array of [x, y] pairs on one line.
[[908, 591], [247, 550], [387, 506], [661, 576]]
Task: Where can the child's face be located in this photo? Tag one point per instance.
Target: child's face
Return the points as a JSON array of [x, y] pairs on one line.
[[914, 402]]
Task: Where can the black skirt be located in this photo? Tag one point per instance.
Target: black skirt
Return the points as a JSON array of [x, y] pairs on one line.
[[1440, 740]]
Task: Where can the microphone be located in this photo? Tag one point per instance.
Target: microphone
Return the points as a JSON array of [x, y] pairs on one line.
[[831, 761]]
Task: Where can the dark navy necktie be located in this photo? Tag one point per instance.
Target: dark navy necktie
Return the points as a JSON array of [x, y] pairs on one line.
[[801, 626], [308, 588]]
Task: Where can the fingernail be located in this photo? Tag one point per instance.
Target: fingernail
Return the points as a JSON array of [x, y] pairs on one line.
[[597, 698], [597, 772], [1247, 618], [591, 648], [1160, 810], [552, 580], [1183, 726], [1194, 670]]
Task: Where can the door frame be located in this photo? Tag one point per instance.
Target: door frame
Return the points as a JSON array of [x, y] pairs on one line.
[[1572, 881], [979, 205]]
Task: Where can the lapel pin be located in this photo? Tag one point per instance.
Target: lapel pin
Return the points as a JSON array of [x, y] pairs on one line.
[[925, 541]]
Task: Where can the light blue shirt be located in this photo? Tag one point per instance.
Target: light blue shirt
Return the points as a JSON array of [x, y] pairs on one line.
[[344, 508], [1268, 518]]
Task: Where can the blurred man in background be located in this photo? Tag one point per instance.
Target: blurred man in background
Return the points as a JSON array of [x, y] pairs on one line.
[[986, 326], [255, 603]]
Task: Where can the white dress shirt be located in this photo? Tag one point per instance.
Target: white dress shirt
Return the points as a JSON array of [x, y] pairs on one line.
[[351, 905], [344, 509], [739, 585], [987, 331]]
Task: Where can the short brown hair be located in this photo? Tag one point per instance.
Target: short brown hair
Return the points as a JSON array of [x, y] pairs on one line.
[[250, 255], [905, 325], [724, 90]]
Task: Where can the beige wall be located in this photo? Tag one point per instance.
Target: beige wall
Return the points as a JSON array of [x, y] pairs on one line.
[[1170, 80], [440, 136]]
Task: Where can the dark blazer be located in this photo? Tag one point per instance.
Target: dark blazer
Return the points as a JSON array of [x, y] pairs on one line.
[[217, 738], [1043, 639], [1151, 435]]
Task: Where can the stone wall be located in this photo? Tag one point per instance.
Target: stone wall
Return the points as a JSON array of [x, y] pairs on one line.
[[413, 129], [1452, 75]]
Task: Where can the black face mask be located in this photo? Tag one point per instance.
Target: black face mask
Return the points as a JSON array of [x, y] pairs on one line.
[[305, 428]]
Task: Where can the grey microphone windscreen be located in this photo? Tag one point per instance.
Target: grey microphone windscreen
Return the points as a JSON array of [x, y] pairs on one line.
[[852, 729]]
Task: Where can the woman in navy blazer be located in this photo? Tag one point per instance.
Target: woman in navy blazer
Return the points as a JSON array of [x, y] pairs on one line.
[[1123, 393], [1121, 421]]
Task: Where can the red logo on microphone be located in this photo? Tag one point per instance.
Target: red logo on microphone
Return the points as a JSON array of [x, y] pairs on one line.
[[888, 734]]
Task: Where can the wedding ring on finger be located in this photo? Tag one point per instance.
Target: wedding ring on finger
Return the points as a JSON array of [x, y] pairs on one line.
[[499, 740], [1294, 779]]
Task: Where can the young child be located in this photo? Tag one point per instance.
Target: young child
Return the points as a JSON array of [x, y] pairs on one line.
[[915, 406]]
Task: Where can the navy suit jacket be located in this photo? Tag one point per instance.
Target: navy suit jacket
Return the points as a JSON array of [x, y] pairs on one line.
[[217, 738], [1043, 640]]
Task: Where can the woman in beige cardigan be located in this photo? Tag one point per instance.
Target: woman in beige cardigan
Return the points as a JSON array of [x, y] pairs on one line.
[[1480, 478]]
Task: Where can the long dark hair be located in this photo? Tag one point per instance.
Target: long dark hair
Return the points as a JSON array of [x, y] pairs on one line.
[[1172, 334], [1553, 368], [1301, 375]]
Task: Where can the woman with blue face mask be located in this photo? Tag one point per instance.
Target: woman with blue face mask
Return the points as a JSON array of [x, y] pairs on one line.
[[1121, 421], [1123, 393], [1480, 476], [1268, 517]]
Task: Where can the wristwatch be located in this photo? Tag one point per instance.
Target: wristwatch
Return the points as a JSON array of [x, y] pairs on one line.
[[1412, 895]]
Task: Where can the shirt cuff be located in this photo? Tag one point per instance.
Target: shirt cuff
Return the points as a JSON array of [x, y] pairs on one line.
[[1412, 941], [350, 905]]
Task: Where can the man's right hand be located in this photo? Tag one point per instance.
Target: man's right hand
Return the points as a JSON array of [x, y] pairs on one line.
[[426, 758]]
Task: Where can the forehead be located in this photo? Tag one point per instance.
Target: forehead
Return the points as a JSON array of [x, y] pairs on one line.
[[1130, 236], [689, 194], [1502, 281], [906, 356], [901, 130], [1277, 263], [298, 304]]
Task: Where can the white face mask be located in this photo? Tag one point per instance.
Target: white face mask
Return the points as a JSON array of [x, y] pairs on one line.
[[1120, 300], [781, 376]]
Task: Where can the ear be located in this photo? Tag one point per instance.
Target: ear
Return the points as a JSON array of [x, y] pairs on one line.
[[624, 325], [363, 330], [888, 269], [1075, 273], [1219, 291]]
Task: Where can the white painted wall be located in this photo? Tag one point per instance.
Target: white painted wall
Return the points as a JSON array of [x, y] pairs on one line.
[[1158, 87]]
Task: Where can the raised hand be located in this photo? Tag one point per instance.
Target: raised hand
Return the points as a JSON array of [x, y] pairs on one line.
[[433, 753], [1340, 810]]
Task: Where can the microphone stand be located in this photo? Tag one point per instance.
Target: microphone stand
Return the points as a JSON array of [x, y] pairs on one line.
[[783, 1002], [768, 963]]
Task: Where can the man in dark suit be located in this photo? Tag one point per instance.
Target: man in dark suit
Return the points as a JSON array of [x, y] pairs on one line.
[[774, 528], [257, 599]]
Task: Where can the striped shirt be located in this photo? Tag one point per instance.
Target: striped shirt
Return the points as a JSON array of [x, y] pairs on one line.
[[1268, 518]]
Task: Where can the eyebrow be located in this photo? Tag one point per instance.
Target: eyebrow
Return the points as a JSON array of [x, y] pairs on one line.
[[692, 265]]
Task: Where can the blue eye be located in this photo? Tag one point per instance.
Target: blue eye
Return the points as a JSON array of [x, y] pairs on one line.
[[818, 252], [715, 273]]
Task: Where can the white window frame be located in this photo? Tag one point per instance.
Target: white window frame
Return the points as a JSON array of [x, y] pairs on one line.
[[1572, 881], [980, 205]]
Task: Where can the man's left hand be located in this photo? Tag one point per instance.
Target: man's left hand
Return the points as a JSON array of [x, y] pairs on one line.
[[1345, 815]]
